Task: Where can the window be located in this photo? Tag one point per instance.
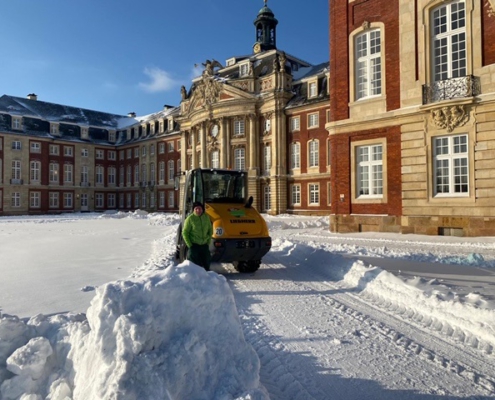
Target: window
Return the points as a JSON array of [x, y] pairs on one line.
[[239, 158], [16, 171], [129, 175], [99, 174], [16, 145], [68, 200], [84, 153], [68, 173], [369, 170], [294, 124], [171, 199], [239, 128], [111, 200], [161, 200], [368, 64], [15, 201], [215, 159], [170, 147], [129, 200], [112, 155], [54, 149], [161, 171], [111, 136], [312, 89], [84, 175], [99, 201], [129, 153], [179, 165], [313, 120], [295, 155], [144, 177], [161, 126], [314, 151], [84, 133], [296, 195], [143, 200], [161, 148], [314, 194], [451, 168], [54, 129], [136, 199], [112, 172], [136, 174], [143, 151], [152, 200], [152, 173], [171, 171], [449, 41], [121, 175], [244, 69], [99, 154], [68, 151], [267, 197], [17, 123], [53, 173], [136, 152], [53, 199], [34, 200], [84, 200], [121, 200], [152, 149], [267, 158], [35, 171], [121, 155], [178, 145], [35, 147]]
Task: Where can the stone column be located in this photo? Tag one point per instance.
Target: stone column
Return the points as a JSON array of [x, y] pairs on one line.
[[193, 147], [224, 142], [203, 155]]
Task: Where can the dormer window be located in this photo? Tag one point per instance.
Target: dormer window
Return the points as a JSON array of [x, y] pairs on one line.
[[84, 133], [161, 126], [54, 129], [244, 69], [111, 136], [17, 123], [129, 137], [170, 124], [312, 89]]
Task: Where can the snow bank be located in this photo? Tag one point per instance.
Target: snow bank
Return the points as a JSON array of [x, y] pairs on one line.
[[174, 334]]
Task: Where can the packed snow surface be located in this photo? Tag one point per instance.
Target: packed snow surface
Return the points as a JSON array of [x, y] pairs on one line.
[[95, 306]]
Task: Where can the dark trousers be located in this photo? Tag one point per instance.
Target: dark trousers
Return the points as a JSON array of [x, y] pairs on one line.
[[200, 255]]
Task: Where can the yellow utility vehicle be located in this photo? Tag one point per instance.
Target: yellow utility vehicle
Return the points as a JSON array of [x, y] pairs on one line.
[[240, 234]]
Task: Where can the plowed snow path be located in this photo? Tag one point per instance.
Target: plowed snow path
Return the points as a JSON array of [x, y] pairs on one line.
[[318, 340]]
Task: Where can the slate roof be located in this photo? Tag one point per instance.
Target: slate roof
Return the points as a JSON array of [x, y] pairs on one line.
[[300, 87]]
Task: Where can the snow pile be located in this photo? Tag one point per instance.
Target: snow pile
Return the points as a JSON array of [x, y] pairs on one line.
[[171, 334]]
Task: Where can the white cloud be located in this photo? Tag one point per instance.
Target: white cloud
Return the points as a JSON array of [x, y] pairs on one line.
[[160, 80]]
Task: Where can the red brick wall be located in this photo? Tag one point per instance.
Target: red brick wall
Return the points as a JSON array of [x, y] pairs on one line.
[[346, 17], [488, 30], [341, 173]]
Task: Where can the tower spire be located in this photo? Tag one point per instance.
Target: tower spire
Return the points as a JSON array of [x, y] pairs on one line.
[[266, 29]]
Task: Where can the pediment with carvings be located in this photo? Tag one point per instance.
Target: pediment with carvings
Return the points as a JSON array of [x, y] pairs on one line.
[[449, 117]]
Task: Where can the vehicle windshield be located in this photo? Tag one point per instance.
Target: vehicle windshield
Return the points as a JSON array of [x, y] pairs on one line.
[[224, 186]]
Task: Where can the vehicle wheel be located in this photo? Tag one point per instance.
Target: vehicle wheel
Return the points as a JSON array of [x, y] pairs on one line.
[[247, 266]]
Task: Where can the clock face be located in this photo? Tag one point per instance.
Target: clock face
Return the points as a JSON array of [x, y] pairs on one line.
[[257, 48], [214, 130]]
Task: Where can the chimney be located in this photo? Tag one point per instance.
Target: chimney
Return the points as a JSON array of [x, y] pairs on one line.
[[131, 114], [167, 107], [32, 96]]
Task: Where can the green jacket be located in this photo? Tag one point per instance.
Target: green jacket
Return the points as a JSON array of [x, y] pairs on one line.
[[197, 230]]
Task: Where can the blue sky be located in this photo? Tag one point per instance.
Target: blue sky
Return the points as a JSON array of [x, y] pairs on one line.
[[120, 56]]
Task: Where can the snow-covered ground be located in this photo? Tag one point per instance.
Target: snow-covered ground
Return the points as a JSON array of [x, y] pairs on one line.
[[94, 306]]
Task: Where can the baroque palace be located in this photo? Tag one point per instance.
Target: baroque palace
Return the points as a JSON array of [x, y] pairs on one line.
[[395, 134]]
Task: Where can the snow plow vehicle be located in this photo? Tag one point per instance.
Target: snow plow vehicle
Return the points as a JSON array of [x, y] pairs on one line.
[[240, 234]]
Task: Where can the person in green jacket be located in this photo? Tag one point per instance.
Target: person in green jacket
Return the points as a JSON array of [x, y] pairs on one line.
[[197, 232]]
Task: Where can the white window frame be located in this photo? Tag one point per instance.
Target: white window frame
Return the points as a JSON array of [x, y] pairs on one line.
[[295, 155], [313, 120], [312, 89], [16, 145], [54, 150], [35, 147], [34, 199], [35, 171], [313, 153], [368, 64], [239, 127], [295, 195], [68, 174], [240, 158], [295, 124], [15, 201], [68, 200], [53, 200], [54, 173], [370, 171], [170, 170], [68, 151], [449, 41], [215, 159], [313, 194], [451, 166]]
